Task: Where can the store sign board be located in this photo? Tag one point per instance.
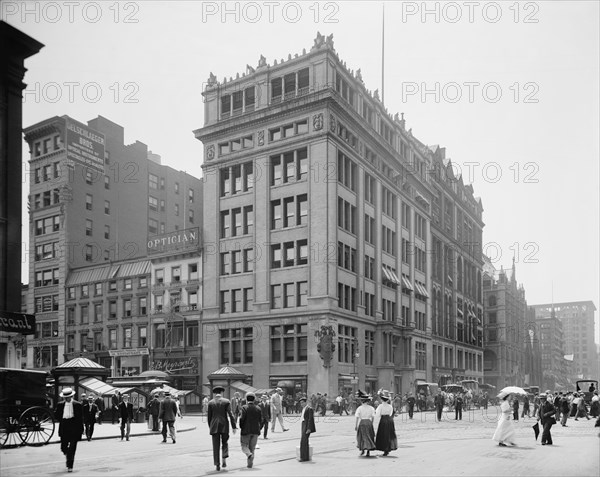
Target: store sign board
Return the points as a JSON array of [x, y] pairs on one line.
[[189, 365], [128, 352], [84, 145], [17, 323], [179, 240]]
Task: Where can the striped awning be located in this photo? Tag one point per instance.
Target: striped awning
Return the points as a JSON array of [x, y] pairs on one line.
[[406, 283], [97, 387], [246, 388], [88, 275]]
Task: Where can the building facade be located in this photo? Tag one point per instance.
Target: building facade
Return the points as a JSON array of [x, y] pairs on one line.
[[94, 201], [176, 304], [318, 235], [17, 47], [555, 366], [578, 324], [511, 337]]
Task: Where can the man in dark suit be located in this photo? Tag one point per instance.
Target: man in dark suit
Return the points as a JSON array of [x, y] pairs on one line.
[[126, 415], [265, 409], [458, 405], [219, 410], [439, 405], [115, 400], [410, 402], [307, 418], [250, 421], [99, 402], [546, 416], [515, 404], [153, 411], [90, 411], [69, 414], [168, 413]]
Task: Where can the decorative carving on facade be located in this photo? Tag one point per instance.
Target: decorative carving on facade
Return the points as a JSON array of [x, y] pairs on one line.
[[261, 138], [212, 80], [332, 123], [210, 152], [318, 122], [325, 345], [321, 41], [262, 61]]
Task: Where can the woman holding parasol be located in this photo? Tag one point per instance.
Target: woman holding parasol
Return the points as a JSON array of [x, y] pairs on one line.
[[505, 431]]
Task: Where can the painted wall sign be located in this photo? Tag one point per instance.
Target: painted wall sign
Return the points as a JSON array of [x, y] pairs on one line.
[[85, 145], [178, 240]]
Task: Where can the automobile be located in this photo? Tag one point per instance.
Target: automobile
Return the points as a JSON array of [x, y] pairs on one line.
[[584, 386]]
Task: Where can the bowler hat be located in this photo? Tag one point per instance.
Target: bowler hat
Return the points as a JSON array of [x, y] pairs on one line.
[[218, 389]]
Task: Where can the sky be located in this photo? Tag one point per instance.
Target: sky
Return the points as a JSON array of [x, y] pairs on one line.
[[510, 89]]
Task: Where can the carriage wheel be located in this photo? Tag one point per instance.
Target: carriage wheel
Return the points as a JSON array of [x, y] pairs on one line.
[[10, 435], [39, 425]]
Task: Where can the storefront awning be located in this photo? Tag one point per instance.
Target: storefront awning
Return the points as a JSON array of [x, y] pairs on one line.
[[98, 387]]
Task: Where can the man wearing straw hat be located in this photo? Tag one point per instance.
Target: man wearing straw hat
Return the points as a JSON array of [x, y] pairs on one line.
[[69, 414]]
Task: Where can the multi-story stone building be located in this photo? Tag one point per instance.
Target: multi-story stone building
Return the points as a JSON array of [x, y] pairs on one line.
[[510, 334], [176, 278], [94, 201], [578, 324], [318, 211], [554, 364]]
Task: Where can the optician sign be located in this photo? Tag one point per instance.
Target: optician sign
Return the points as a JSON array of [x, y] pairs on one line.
[[84, 145], [179, 240]]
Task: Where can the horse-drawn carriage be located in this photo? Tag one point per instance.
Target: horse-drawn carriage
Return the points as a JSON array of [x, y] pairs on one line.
[[25, 417]]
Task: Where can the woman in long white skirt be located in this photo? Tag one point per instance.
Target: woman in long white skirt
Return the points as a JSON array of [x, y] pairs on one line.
[[505, 431]]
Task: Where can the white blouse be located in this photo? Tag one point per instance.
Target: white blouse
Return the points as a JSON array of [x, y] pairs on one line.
[[365, 411], [384, 409]]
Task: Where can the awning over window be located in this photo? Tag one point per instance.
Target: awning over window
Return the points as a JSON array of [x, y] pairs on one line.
[[421, 290], [387, 275], [395, 278], [246, 388], [406, 283]]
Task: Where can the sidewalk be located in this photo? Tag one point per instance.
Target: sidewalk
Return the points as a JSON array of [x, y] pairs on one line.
[[113, 431]]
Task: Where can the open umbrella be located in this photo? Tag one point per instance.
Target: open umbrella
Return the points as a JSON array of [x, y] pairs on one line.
[[511, 390]]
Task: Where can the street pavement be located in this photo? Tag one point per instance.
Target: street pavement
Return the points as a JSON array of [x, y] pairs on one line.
[[426, 447]]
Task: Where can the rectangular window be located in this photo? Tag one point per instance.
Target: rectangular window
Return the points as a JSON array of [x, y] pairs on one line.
[[152, 181], [143, 306], [275, 296]]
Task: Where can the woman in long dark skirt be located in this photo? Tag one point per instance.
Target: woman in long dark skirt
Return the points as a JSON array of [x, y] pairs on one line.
[[386, 439], [365, 434]]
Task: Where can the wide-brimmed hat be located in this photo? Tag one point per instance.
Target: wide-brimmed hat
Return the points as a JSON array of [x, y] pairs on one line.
[[303, 398], [279, 390], [385, 395], [218, 389], [67, 392], [362, 396]]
